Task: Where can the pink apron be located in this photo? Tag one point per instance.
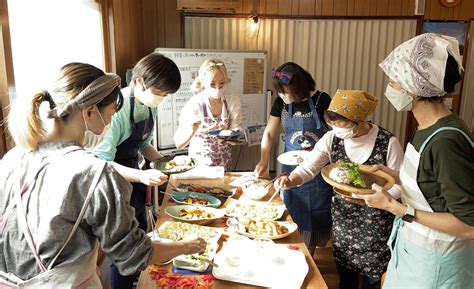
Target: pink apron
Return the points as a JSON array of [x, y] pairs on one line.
[[208, 150], [80, 274]]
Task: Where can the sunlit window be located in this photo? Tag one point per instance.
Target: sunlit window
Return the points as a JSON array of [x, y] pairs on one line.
[[48, 34]]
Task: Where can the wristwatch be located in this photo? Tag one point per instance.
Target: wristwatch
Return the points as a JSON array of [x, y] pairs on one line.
[[409, 215]]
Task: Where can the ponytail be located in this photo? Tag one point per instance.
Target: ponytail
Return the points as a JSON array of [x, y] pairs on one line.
[[25, 124], [196, 86]]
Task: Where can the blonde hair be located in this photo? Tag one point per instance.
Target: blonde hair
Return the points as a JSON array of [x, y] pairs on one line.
[[207, 72], [31, 120]]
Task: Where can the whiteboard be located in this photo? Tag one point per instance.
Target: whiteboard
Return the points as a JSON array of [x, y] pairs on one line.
[[244, 69]]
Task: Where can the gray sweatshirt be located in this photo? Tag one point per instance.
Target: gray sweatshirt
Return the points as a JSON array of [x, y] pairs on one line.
[[54, 205]]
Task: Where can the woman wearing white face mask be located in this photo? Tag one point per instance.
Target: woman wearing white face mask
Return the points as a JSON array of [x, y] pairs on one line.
[[359, 246], [433, 234], [131, 132], [299, 107], [213, 108], [58, 202]]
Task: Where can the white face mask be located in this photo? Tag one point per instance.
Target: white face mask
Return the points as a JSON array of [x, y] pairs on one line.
[[149, 99], [215, 92], [400, 99], [284, 97], [91, 139], [344, 133]]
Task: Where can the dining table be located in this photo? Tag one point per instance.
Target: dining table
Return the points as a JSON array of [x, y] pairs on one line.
[[313, 278]]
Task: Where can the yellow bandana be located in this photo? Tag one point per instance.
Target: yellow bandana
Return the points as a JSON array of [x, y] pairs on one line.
[[355, 105]]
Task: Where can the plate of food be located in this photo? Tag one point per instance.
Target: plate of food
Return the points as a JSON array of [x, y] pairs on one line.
[[292, 158], [260, 228], [215, 191], [226, 134], [178, 231], [195, 199], [250, 209], [256, 189], [194, 214], [174, 164], [349, 179]]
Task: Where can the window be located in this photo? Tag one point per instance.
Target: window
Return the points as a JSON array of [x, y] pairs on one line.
[[47, 34]]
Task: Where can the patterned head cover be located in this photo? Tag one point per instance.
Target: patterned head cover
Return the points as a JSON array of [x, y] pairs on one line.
[[419, 64], [355, 105], [94, 93], [284, 77]]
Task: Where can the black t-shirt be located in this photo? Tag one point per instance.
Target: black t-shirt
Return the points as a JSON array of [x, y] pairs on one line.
[[302, 109]]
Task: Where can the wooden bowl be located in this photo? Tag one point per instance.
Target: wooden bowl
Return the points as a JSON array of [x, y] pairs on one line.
[[379, 177]]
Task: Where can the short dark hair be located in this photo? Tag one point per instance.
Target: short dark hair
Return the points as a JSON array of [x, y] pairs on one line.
[[157, 71], [330, 116], [451, 77], [300, 84]]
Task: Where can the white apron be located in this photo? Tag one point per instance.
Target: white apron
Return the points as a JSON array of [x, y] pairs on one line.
[[423, 257], [80, 274]]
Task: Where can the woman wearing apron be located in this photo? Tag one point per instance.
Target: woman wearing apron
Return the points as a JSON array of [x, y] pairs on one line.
[[58, 202], [360, 232], [213, 108], [300, 111], [432, 241], [132, 129]]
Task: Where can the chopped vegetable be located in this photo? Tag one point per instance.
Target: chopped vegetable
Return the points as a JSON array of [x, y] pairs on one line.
[[354, 174]]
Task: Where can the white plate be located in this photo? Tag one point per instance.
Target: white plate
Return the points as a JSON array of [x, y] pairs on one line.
[[175, 213], [235, 225], [291, 158], [276, 265], [250, 209]]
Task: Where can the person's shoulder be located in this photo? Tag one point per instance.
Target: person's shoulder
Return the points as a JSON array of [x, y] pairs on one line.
[[323, 100], [233, 99], [13, 155]]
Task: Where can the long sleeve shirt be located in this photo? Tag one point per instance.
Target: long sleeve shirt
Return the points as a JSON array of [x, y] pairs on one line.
[[54, 204], [357, 149]]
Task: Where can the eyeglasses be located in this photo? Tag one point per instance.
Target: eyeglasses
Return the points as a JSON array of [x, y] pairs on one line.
[[283, 77]]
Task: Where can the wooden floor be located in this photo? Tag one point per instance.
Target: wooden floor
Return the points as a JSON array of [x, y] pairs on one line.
[[326, 265]]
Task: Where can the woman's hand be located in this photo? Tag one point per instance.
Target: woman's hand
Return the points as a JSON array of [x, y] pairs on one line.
[[380, 199], [281, 183], [195, 246], [260, 169], [153, 177], [393, 173]]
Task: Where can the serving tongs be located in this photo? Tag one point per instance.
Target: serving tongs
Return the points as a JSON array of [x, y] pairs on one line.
[[203, 259], [152, 222]]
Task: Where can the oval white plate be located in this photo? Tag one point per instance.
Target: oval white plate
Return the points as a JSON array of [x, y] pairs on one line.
[[290, 158], [238, 227], [175, 211]]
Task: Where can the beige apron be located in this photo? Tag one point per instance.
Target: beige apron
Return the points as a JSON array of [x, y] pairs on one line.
[[80, 274]]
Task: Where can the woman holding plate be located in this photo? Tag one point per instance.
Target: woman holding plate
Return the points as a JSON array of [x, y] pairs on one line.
[[299, 108], [211, 109], [360, 232], [432, 240]]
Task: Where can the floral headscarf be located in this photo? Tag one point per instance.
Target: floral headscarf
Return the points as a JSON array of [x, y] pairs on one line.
[[355, 105]]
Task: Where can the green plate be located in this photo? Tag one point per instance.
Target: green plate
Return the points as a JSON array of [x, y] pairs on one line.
[[215, 191], [160, 164]]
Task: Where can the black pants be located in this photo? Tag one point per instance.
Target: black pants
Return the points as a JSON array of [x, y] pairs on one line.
[[349, 279], [137, 200]]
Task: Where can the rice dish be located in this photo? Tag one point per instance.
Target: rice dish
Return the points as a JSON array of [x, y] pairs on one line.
[[340, 175], [225, 133], [182, 160]]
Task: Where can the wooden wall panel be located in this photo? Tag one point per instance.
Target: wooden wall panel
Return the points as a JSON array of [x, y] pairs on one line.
[[435, 11], [284, 7]]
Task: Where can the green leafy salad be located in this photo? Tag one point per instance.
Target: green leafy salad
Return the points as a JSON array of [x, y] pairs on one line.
[[354, 174]]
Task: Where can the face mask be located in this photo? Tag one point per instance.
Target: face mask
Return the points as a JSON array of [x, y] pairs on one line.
[[344, 133], [90, 138], [400, 99], [284, 97], [149, 99], [215, 92]]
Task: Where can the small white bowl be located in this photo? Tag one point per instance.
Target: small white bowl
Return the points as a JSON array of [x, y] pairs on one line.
[[256, 189]]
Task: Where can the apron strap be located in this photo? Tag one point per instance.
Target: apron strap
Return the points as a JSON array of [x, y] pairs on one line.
[[314, 112], [23, 187], [206, 113], [444, 129], [100, 167]]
